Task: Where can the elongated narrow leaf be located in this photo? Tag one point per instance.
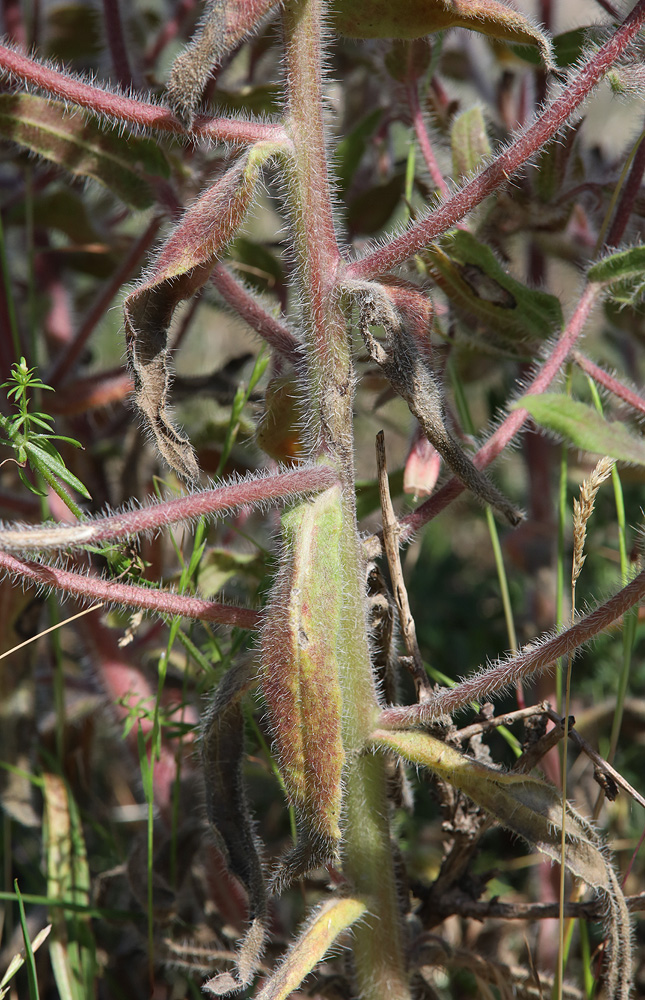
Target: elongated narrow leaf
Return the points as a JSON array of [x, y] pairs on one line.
[[52, 461], [414, 18], [584, 427], [313, 943], [624, 274], [472, 277], [82, 147], [18, 960], [182, 267], [300, 676], [618, 266], [567, 47], [532, 809]]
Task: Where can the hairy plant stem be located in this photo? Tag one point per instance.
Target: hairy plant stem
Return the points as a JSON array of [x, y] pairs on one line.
[[112, 592], [534, 658], [327, 381], [515, 156], [127, 109]]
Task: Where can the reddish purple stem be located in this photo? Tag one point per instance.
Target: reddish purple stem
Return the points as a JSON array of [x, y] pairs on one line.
[[127, 109], [543, 129], [627, 197], [91, 588], [246, 305], [126, 524], [609, 382], [535, 658], [424, 139]]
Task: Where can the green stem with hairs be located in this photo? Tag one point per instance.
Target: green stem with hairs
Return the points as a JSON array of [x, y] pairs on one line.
[[327, 383]]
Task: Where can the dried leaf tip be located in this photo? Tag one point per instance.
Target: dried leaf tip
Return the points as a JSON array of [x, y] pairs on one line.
[[583, 509]]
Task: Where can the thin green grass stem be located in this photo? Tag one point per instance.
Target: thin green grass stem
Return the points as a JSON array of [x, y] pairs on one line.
[[29, 953], [441, 678]]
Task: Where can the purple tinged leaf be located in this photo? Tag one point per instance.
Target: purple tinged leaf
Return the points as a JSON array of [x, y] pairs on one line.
[[300, 677], [584, 427], [182, 267]]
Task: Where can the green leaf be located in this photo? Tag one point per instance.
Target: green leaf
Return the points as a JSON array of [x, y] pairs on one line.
[[62, 209], [552, 165], [414, 18], [624, 274], [40, 420], [82, 147], [618, 266], [56, 437], [584, 427], [264, 99], [372, 209], [260, 267], [528, 806], [73, 34], [569, 46], [50, 458], [469, 142], [470, 275]]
